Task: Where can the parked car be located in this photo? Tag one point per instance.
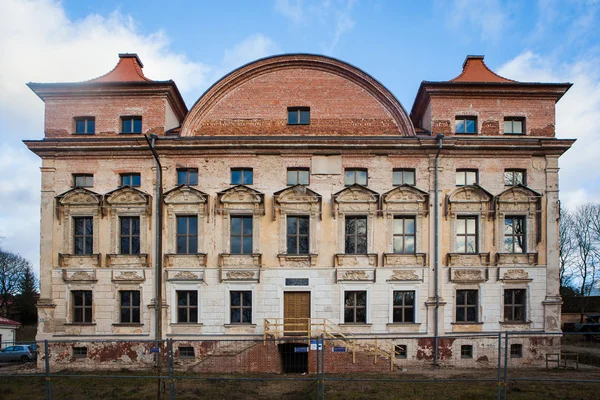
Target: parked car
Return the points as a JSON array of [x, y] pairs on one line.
[[21, 353]]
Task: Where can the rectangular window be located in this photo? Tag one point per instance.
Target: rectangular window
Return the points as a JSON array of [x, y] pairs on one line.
[[514, 125], [466, 305], [297, 176], [298, 115], [83, 235], [355, 307], [401, 350], [516, 350], [404, 235], [79, 352], [82, 306], [241, 176], [355, 176], [187, 306], [130, 235], [83, 180], [187, 176], [297, 235], [187, 234], [466, 125], [130, 306], [514, 305], [186, 352], [466, 235], [466, 177], [356, 235], [241, 235], [404, 306], [131, 124], [131, 179], [241, 307], [403, 177], [514, 234], [85, 125], [514, 177], [466, 351]]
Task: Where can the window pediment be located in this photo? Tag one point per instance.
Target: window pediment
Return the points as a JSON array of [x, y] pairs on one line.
[[241, 198], [297, 199], [405, 198], [79, 197], [127, 196], [355, 198], [518, 198], [185, 194], [470, 198]]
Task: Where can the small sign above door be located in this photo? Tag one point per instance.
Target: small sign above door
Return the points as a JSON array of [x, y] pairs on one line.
[[296, 281]]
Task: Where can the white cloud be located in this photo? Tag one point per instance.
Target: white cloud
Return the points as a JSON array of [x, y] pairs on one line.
[[250, 49], [489, 17], [290, 9], [577, 116]]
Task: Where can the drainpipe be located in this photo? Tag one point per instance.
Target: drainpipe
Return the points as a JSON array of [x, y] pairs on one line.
[[436, 246], [158, 240]]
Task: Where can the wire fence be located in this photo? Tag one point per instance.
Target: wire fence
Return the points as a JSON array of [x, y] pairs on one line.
[[501, 366]]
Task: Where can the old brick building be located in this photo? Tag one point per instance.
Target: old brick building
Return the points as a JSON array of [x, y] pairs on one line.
[[297, 189]]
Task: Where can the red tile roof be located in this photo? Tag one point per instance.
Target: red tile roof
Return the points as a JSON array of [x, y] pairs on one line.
[[475, 70], [6, 321], [129, 69]]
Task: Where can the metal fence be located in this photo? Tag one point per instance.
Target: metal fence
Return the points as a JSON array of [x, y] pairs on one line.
[[501, 366]]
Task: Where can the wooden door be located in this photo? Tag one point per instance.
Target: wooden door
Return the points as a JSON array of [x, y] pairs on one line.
[[296, 313]]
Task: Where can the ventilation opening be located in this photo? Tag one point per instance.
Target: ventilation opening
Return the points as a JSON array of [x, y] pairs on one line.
[[294, 357], [186, 352], [79, 352], [466, 351], [516, 350], [400, 350]]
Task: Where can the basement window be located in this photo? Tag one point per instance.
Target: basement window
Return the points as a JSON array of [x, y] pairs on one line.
[[186, 352], [401, 351], [466, 351], [298, 115], [516, 350], [79, 352]]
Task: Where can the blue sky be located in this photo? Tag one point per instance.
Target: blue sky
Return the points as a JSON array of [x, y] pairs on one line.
[[400, 43]]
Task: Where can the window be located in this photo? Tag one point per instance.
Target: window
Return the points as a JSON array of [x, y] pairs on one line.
[[130, 306], [241, 307], [514, 305], [466, 351], [466, 305], [514, 234], [400, 350], [466, 177], [514, 177], [514, 125], [466, 125], [404, 306], [186, 352], [187, 306], [297, 235], [79, 352], [85, 125], [355, 176], [131, 179], [187, 176], [516, 350], [297, 176], [131, 124], [130, 235], [83, 180], [83, 237], [355, 307], [82, 306], [356, 235], [298, 115], [241, 176], [241, 235], [466, 235], [404, 235], [187, 235], [403, 177]]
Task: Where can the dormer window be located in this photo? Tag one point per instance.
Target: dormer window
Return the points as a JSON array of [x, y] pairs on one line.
[[131, 124], [466, 125], [298, 115], [85, 125], [514, 126]]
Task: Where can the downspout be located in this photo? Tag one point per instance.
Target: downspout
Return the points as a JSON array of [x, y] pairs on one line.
[[158, 240], [436, 246]]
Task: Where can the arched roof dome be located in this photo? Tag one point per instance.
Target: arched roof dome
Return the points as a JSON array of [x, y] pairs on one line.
[[254, 99]]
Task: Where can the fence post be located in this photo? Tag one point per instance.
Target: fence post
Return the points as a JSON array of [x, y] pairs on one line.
[[506, 350], [322, 366], [499, 364], [47, 366], [171, 361]]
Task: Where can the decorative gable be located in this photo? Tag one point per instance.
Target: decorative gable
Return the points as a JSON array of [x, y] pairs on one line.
[[355, 198], [78, 198], [518, 198], [241, 198], [127, 196], [405, 198], [185, 198], [471, 198], [297, 199]]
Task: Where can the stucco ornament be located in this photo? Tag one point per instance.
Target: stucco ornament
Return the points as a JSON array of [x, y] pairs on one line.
[[404, 275], [516, 274], [240, 275], [467, 275], [355, 276], [185, 275], [128, 276], [82, 276]]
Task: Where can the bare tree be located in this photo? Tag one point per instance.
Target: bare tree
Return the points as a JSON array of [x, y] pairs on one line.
[[567, 250], [12, 269]]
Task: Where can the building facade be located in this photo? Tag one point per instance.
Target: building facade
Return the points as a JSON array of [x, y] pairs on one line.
[[296, 189]]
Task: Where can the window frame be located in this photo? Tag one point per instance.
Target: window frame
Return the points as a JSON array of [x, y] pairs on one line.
[[131, 307], [514, 305], [403, 235], [79, 352], [512, 120], [297, 235], [189, 237], [464, 119], [513, 171], [466, 351], [297, 170], [131, 236], [516, 350], [465, 305], [188, 172], [188, 306], [131, 118], [85, 177], [186, 356], [515, 236], [355, 234], [83, 236], [241, 235], [403, 307], [465, 171], [243, 171], [241, 307], [466, 235], [86, 120], [355, 307], [403, 171], [83, 307], [131, 176], [298, 110], [401, 351], [354, 171]]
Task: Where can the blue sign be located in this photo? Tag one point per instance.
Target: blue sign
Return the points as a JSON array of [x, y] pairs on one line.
[[300, 349], [313, 344], [336, 349], [154, 350]]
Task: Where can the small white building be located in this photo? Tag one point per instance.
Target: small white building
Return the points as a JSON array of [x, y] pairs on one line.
[[8, 332]]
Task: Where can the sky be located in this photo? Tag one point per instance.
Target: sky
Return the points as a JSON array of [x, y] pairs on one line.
[[399, 43]]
